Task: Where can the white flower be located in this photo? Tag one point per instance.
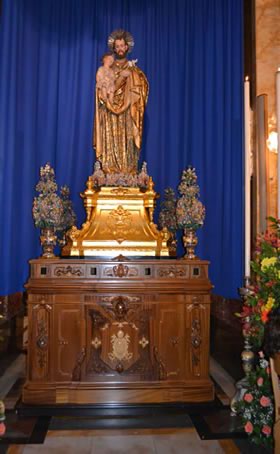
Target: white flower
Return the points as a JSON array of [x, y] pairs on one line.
[[132, 63], [263, 363]]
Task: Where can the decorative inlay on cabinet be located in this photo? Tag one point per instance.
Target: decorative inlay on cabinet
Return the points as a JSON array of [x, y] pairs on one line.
[[118, 331]]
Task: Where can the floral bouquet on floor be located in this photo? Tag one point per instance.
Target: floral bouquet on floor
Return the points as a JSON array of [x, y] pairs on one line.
[[264, 295], [257, 406]]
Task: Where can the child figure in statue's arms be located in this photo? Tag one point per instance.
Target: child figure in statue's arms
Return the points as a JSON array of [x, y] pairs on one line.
[[105, 78]]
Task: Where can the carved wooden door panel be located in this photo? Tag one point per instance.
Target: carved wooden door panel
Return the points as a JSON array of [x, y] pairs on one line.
[[119, 339], [40, 322], [68, 346], [171, 340], [197, 336]]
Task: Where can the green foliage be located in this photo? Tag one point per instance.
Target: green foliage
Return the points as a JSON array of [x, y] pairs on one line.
[[49, 209], [265, 293], [167, 216], [257, 405], [189, 211], [264, 296]]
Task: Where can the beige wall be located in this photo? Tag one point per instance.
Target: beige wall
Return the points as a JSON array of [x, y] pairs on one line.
[[268, 61]]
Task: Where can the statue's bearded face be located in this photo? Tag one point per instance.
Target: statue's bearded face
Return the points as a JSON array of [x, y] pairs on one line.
[[120, 48]]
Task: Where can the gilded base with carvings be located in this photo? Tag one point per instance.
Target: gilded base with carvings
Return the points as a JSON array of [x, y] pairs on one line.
[[119, 222]]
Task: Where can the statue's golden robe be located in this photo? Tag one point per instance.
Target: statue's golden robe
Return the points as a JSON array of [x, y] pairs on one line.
[[119, 126]]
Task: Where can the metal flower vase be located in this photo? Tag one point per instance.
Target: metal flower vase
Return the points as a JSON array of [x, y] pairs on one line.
[[247, 355], [190, 241], [48, 241]]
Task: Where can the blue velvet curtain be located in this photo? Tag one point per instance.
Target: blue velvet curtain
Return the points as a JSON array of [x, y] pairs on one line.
[[191, 52]]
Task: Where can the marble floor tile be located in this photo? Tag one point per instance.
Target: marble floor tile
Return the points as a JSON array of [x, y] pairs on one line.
[[189, 443], [62, 445], [225, 381], [123, 444]]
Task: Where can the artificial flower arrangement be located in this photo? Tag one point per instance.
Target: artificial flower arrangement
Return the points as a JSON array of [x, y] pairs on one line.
[[186, 213], [190, 212], [257, 406], [263, 297], [167, 216], [51, 210]]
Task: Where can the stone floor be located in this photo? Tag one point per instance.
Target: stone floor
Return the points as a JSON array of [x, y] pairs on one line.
[[142, 441], [216, 432], [160, 441]]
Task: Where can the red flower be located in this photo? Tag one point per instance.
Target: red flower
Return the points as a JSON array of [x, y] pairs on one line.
[[248, 397], [2, 429], [246, 310], [248, 427], [264, 316], [266, 430], [246, 326], [270, 283], [260, 381], [265, 401]]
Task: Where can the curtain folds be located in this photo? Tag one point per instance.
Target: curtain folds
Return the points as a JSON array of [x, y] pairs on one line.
[[191, 52]]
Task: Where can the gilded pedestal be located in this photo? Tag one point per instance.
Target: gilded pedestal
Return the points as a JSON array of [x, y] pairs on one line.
[[119, 222]]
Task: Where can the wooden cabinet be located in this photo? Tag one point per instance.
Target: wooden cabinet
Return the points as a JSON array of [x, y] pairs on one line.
[[131, 331]]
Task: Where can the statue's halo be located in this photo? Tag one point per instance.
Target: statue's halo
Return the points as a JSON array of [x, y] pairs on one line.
[[120, 34]]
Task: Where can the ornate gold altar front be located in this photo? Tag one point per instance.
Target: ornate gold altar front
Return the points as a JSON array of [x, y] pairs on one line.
[[131, 331], [119, 222]]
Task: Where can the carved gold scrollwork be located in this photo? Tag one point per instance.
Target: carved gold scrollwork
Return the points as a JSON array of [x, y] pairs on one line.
[[120, 191], [112, 299], [41, 320], [96, 343], [119, 222], [42, 339], [120, 308], [196, 342], [42, 342], [171, 271], [62, 342], [143, 342], [73, 233], [196, 333], [120, 258], [120, 344], [43, 304], [120, 270], [68, 271]]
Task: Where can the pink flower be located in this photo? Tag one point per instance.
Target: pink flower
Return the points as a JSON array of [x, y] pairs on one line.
[[265, 401], [248, 427], [266, 430], [270, 284], [260, 381], [248, 397], [2, 429]]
